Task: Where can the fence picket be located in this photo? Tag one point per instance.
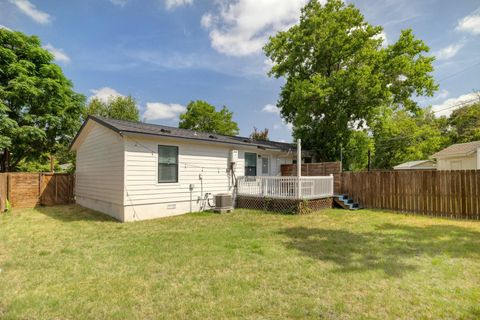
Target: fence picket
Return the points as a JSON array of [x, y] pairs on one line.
[[31, 189], [438, 193]]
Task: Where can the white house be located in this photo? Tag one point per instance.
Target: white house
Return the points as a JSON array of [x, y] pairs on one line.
[[461, 156], [136, 171]]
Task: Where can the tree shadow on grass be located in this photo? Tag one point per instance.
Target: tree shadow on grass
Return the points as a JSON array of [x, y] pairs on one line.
[[71, 213], [391, 248]]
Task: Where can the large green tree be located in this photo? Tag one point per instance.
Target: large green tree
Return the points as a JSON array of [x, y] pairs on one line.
[[405, 136], [465, 124], [39, 111], [202, 116], [339, 75], [122, 108], [355, 153]]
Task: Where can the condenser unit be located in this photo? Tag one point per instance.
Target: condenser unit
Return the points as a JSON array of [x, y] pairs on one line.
[[223, 202]]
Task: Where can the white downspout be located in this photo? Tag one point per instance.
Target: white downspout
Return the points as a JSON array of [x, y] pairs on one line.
[[299, 168]]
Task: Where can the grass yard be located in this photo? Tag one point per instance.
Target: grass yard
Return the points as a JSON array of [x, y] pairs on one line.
[[66, 262]]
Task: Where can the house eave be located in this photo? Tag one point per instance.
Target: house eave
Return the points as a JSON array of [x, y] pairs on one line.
[[454, 155], [152, 135]]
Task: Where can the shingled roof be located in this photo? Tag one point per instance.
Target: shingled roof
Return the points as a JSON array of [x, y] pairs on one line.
[[460, 149], [130, 127]]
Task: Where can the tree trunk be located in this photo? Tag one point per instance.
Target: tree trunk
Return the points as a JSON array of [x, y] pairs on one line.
[[7, 158], [2, 161], [5, 164]]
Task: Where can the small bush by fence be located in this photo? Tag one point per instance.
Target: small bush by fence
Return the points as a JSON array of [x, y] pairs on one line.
[[439, 193], [25, 190]]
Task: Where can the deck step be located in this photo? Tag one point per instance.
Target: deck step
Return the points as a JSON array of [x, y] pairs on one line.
[[346, 203]]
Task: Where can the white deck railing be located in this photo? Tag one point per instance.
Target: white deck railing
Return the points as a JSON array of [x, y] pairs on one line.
[[286, 187]]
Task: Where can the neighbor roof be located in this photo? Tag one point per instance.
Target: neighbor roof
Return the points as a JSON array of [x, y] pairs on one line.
[[460, 149], [130, 127], [419, 164]]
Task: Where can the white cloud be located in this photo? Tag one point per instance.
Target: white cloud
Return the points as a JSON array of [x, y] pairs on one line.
[[267, 65], [442, 94], [59, 54], [449, 105], [30, 10], [170, 4], [242, 27], [105, 94], [6, 28], [450, 51], [470, 23], [270, 108], [282, 125], [207, 20], [120, 3], [382, 36], [159, 111]]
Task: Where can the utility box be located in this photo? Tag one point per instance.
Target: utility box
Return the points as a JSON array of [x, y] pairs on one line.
[[233, 156]]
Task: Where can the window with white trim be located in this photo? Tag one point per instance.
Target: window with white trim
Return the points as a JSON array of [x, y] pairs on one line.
[[167, 164], [250, 164]]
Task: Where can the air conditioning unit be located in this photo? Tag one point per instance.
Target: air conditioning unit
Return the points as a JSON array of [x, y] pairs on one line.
[[223, 203]]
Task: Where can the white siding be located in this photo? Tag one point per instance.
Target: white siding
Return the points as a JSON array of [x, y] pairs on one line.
[[145, 198], [458, 163], [99, 178]]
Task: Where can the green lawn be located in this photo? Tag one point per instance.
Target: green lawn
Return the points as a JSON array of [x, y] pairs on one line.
[[66, 262]]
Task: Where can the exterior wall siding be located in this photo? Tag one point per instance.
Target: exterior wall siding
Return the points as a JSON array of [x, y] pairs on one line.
[[145, 198], [453, 163], [99, 171]]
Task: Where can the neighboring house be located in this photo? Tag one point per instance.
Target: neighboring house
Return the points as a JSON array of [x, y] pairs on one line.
[[136, 171], [462, 156], [417, 165]]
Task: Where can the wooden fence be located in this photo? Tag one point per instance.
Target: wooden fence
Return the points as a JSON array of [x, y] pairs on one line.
[[316, 169], [440, 193], [27, 190]]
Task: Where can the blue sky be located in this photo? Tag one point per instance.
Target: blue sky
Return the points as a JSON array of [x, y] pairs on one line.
[[166, 53]]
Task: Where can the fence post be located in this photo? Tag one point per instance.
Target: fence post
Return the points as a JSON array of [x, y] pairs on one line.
[[262, 186], [56, 188], [332, 185], [9, 188]]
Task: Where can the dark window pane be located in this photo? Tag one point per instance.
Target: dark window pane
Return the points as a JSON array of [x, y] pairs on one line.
[[167, 164], [167, 173], [250, 159], [250, 171], [250, 164]]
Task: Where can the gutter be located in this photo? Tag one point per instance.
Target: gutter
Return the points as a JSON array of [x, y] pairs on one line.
[[131, 133]]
